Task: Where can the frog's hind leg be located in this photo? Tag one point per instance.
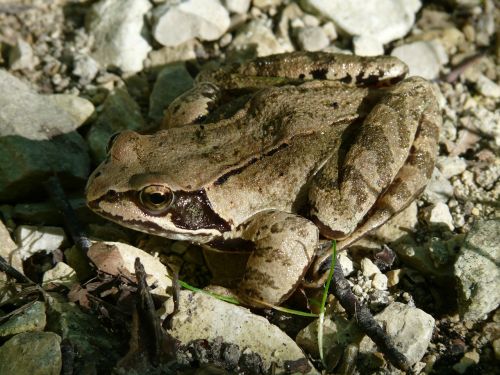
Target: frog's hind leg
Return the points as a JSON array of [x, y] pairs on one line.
[[192, 106], [389, 163], [285, 244]]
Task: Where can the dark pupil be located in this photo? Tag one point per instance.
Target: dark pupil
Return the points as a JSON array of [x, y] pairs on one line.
[[157, 198]]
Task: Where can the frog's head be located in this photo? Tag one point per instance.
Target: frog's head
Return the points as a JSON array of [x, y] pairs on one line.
[[136, 186]]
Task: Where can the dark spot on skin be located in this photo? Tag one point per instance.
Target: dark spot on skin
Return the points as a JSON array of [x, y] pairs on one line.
[[176, 107], [319, 73], [334, 105], [302, 76]]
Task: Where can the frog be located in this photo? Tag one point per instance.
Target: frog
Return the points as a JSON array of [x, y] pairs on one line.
[[273, 156]]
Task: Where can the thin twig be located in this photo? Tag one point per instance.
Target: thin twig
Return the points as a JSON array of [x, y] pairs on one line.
[[365, 320]]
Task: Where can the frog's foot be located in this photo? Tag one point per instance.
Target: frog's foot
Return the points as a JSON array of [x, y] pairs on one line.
[[192, 106], [388, 165], [284, 248]]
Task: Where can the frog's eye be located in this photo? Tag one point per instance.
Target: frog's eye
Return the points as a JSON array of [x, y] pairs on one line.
[[111, 140], [156, 198]]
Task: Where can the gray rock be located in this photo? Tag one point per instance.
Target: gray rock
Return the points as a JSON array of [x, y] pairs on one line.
[[41, 137], [30, 319], [385, 20], [177, 21], [476, 271], [21, 56], [119, 112], [201, 316], [31, 353], [96, 346], [312, 38], [172, 81], [366, 45], [424, 58], [118, 29], [61, 274], [409, 328]]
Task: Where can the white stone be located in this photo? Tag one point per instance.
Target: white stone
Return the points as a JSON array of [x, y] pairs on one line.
[[385, 20], [451, 165], [439, 189], [346, 264], [31, 240], [438, 213], [312, 38], [85, 67], [201, 316], [330, 31], [424, 58], [8, 252], [366, 45], [409, 328], [368, 268], [176, 22], [237, 6], [258, 35], [487, 87], [117, 27], [379, 281], [477, 273], [116, 257], [80, 109], [61, 274], [21, 56]]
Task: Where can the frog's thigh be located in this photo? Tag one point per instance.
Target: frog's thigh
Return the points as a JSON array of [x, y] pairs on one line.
[[375, 159], [284, 247], [192, 106]]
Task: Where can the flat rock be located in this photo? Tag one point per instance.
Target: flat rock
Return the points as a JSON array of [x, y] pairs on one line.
[[172, 81], [175, 22], [438, 214], [409, 328], [32, 239], [202, 317], [424, 58], [80, 109], [119, 112], [40, 353], [115, 258], [7, 250], [476, 271], [166, 55], [118, 28], [42, 138], [237, 6], [385, 20], [30, 319]]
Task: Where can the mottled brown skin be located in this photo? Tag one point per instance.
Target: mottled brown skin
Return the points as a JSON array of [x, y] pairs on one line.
[[272, 153]]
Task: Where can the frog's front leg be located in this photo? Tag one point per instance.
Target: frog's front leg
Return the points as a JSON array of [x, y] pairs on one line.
[[388, 165], [284, 248]]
